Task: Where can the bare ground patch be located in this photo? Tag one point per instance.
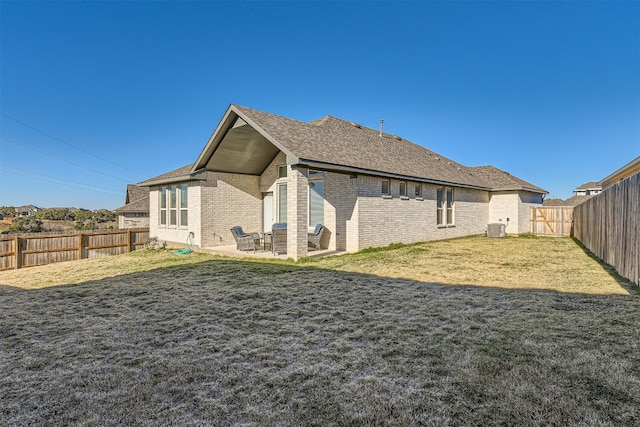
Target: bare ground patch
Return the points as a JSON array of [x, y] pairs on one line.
[[211, 341]]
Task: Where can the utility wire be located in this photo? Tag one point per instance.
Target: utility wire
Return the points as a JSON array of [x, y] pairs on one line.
[[69, 145], [57, 178], [63, 160], [54, 182]]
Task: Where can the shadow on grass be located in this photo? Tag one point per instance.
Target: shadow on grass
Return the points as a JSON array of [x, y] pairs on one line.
[[623, 281], [230, 342]]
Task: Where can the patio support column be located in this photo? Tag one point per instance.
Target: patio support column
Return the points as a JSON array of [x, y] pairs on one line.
[[297, 206]]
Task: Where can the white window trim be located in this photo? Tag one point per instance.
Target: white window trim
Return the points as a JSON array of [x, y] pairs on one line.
[[445, 208], [178, 209]]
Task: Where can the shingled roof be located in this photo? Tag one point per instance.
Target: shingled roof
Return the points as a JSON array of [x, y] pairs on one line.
[[335, 144], [499, 180], [137, 199]]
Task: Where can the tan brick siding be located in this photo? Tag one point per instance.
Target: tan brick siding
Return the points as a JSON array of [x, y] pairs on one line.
[[229, 200], [382, 221], [171, 235], [340, 194], [355, 212], [515, 206], [132, 220]]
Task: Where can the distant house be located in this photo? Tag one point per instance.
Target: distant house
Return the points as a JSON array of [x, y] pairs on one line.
[[27, 210], [625, 171], [588, 189], [368, 188], [570, 202], [135, 212]]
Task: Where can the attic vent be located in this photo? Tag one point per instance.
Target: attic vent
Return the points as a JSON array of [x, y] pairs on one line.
[[437, 158], [397, 137], [355, 125]]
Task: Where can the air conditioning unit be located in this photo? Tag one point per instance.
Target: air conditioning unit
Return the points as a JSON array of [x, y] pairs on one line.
[[496, 229]]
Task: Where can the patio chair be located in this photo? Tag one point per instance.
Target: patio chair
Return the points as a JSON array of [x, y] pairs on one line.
[[315, 238], [279, 238], [245, 241]]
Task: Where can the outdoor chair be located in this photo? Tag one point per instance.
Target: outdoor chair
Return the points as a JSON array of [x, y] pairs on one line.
[[279, 238], [245, 241], [315, 238]]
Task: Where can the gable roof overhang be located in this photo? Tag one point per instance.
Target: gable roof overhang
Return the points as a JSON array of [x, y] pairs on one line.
[[239, 145]]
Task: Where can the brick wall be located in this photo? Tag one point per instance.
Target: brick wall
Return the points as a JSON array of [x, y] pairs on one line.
[[228, 200], [132, 220], [516, 207], [297, 212], [171, 235], [340, 193], [379, 221]]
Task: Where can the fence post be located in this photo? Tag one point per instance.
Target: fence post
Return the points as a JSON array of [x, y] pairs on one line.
[[129, 240], [16, 251], [80, 239]]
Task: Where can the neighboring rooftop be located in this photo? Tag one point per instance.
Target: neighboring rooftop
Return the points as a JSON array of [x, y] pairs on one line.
[[137, 199], [571, 201]]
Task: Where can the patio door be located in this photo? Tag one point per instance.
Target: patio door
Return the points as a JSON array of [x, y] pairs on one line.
[[267, 211]]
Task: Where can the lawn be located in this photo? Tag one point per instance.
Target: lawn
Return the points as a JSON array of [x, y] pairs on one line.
[[517, 331]]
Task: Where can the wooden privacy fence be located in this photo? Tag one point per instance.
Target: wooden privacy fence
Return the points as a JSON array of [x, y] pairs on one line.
[[609, 226], [39, 249], [555, 221]]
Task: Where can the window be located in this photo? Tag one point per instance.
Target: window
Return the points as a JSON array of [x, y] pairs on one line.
[[174, 205], [418, 191], [386, 190], [445, 214], [282, 202], [316, 202], [184, 213], [163, 206], [282, 171], [403, 189], [173, 208]]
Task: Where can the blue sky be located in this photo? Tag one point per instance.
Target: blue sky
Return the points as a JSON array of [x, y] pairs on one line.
[[95, 95]]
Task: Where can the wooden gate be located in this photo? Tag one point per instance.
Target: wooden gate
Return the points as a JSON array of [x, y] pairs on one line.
[[554, 221]]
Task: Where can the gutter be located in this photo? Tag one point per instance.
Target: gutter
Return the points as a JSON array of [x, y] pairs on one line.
[[182, 178], [351, 169]]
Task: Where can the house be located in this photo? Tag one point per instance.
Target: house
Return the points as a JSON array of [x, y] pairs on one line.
[[588, 189], [367, 187], [631, 168], [27, 210], [135, 212]]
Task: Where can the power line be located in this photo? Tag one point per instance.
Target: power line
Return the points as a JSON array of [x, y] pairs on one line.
[[57, 178], [55, 182], [62, 160], [69, 145]]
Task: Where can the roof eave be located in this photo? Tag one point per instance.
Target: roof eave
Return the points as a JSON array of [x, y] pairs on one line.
[[196, 176], [619, 173], [530, 190], [371, 172]]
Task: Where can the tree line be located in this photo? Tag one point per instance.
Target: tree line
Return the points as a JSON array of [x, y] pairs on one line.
[[84, 219]]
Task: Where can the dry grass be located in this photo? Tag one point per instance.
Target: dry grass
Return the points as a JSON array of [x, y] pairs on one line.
[[200, 340]]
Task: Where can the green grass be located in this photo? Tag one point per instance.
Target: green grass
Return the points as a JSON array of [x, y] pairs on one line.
[[351, 340]]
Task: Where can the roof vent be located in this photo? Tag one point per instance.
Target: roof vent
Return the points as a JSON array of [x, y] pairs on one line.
[[355, 125], [397, 137], [381, 126]]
